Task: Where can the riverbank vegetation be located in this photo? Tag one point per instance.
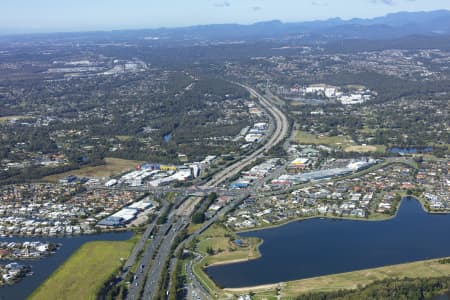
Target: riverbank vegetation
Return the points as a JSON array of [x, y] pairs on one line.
[[223, 246], [416, 280], [220, 245], [213, 242], [406, 288], [84, 273]]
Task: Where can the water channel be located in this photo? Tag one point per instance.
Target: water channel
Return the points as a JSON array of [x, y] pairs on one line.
[[43, 268]]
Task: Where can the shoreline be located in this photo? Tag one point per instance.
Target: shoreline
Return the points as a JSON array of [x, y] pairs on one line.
[[264, 287], [255, 288], [238, 260], [44, 269], [388, 217], [94, 232], [276, 285], [103, 266]]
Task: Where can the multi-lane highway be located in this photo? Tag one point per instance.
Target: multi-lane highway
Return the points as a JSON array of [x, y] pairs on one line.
[[154, 257], [155, 273], [146, 261], [280, 132], [138, 248], [143, 267]]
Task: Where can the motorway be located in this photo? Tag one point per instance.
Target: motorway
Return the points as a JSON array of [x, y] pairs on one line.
[[280, 132], [135, 288], [153, 259], [146, 259], [136, 250], [155, 273]]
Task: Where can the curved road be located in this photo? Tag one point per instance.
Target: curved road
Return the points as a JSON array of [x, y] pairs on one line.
[[281, 131], [159, 249]]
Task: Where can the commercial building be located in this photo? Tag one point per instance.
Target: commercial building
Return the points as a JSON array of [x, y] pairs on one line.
[[298, 165], [111, 183]]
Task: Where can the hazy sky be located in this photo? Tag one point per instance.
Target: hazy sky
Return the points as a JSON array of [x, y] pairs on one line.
[[69, 15]]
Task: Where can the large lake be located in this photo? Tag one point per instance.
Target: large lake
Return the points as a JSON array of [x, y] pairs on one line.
[[43, 268], [318, 247]]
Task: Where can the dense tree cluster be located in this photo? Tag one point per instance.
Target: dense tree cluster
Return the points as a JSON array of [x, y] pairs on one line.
[[125, 116]]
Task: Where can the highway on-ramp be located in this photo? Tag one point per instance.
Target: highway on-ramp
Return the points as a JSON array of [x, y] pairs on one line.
[[154, 257]]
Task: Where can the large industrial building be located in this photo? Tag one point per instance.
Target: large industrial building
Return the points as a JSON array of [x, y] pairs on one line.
[[125, 215]]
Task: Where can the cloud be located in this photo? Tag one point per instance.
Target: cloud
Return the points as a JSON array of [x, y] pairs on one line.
[[222, 4], [256, 8], [319, 3], [387, 2]]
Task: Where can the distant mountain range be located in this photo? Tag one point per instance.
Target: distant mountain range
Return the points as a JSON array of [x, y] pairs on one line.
[[391, 26]]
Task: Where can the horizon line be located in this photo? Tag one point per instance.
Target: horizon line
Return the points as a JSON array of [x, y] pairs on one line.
[[78, 31]]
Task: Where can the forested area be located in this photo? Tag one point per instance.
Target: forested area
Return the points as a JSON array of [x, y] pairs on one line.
[[83, 120]]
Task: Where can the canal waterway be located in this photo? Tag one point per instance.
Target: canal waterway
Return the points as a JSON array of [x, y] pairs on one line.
[[321, 246], [44, 267]]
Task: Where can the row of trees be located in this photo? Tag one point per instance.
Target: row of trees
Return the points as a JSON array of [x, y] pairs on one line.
[[199, 216], [389, 289]]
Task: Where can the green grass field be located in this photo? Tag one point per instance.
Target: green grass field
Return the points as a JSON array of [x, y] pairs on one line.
[[113, 166], [350, 280], [365, 148], [421, 269], [83, 274], [218, 238], [333, 141], [215, 238], [193, 227]]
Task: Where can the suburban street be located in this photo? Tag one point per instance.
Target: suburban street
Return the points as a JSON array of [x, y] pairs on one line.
[[166, 151], [146, 281]]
